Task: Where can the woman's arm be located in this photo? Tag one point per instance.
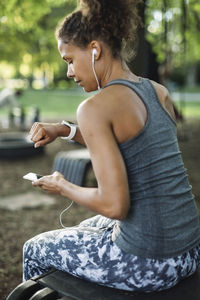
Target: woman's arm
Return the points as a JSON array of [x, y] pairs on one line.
[[45, 133], [111, 197]]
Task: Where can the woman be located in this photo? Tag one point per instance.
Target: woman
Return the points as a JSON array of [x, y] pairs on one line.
[[146, 233]]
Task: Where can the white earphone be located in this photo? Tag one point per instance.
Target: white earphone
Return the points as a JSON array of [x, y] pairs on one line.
[[94, 52]]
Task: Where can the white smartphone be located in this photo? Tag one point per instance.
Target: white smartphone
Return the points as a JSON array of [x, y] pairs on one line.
[[32, 176]]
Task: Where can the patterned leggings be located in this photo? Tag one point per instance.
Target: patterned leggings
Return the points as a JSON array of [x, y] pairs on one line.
[[87, 251]]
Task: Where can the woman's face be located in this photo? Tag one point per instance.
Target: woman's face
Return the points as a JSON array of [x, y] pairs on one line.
[[79, 63]]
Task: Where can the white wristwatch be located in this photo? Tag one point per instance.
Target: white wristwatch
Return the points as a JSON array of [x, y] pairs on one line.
[[72, 133]]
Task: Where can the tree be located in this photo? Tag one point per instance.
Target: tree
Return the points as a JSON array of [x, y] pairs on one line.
[[27, 34], [172, 28], [145, 62], [170, 36]]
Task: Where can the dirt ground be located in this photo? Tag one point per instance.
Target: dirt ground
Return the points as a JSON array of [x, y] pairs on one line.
[[18, 226]]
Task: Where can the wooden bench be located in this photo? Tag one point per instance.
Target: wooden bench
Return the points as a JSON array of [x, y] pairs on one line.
[[57, 285]]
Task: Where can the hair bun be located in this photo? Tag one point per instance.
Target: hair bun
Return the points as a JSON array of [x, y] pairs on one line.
[[112, 21]]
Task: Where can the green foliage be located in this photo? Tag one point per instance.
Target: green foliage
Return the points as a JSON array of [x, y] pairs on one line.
[[27, 35], [173, 30], [28, 27]]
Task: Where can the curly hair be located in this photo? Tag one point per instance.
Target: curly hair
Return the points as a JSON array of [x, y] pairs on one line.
[[114, 22]]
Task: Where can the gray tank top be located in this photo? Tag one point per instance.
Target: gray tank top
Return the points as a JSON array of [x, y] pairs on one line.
[[163, 219]]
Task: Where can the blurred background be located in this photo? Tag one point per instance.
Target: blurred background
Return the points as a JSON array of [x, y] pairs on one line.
[[34, 87], [168, 52]]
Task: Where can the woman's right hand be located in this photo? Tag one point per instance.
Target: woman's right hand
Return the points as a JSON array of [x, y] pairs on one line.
[[44, 133]]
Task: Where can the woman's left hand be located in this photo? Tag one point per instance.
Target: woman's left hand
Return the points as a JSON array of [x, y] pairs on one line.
[[50, 183]]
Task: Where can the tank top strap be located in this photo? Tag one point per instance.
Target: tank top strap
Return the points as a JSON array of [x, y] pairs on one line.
[[138, 87]]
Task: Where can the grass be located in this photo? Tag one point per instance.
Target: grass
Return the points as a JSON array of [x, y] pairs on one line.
[[54, 102], [51, 103], [187, 89], [189, 108], [63, 103]]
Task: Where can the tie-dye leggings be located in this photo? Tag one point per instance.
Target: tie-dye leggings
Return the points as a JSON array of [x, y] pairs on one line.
[[87, 251]]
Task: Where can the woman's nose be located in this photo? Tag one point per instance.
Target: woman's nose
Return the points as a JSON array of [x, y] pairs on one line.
[[70, 71]]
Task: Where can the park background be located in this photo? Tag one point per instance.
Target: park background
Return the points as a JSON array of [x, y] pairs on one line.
[[168, 51]]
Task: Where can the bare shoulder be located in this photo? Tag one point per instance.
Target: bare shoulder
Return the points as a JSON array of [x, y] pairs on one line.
[[99, 104], [164, 98], [92, 115], [161, 90], [89, 106]]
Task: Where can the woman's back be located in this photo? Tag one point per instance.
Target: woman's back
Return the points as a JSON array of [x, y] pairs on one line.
[[163, 219], [126, 111]]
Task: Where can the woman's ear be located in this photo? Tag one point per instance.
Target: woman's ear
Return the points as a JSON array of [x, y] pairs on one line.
[[95, 49]]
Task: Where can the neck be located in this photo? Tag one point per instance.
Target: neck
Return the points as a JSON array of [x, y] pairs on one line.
[[116, 69]]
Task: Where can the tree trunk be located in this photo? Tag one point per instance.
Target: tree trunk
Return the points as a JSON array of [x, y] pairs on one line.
[[144, 64]]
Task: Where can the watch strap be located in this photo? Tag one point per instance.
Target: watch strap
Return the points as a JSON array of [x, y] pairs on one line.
[[72, 130]]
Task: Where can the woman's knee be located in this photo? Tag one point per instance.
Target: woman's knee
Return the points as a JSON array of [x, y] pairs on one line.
[[27, 246], [32, 245]]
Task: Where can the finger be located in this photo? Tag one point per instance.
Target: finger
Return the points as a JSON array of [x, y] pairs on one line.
[[38, 134], [48, 189], [36, 183], [41, 181], [42, 142], [33, 128], [56, 173]]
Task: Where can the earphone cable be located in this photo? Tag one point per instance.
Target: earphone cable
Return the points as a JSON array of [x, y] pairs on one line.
[[95, 75], [62, 212]]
